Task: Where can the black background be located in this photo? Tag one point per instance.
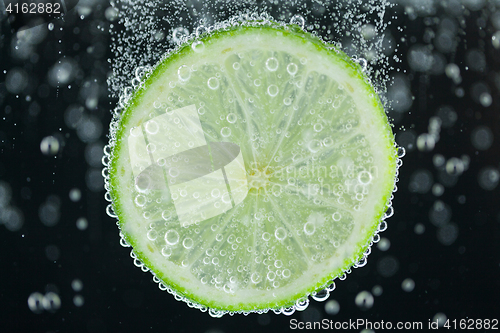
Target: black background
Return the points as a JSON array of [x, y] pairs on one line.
[[460, 280]]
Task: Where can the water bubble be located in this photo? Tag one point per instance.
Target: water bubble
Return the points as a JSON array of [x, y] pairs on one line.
[[280, 234], [387, 266], [200, 30], [225, 132], [447, 234], [408, 285], [455, 166], [187, 243], [437, 190], [419, 228], [82, 223], [198, 46], [377, 290], [309, 228], [384, 244], [257, 82], [171, 237], [426, 142], [166, 251], [292, 68], [332, 307], [78, 300], [49, 212], [440, 213], [485, 99], [51, 302], [482, 137], [35, 302], [336, 216], [75, 195], [488, 178], [495, 40], [298, 20], [213, 83], [184, 73], [11, 217], [231, 118], [255, 278], [173, 172], [179, 34], [49, 145], [440, 318], [236, 66], [365, 177], [77, 285], [364, 300], [314, 146], [215, 193], [273, 90], [272, 64], [318, 127], [420, 181]]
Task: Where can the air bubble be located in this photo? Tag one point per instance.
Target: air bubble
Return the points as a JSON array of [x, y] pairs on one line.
[[314, 146], [173, 172], [213, 83], [309, 228], [482, 137], [455, 166], [488, 178], [231, 118], [179, 34], [364, 300], [49, 145], [280, 234], [332, 307], [272, 64], [187, 243], [225, 132], [426, 142], [198, 46], [184, 73], [318, 127], [298, 20], [292, 68], [273, 90], [408, 285], [336, 216], [236, 66], [171, 237]]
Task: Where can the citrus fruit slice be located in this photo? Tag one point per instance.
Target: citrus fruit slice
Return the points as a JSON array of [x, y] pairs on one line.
[[251, 168]]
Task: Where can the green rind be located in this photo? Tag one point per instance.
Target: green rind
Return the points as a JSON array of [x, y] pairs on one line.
[[337, 55]]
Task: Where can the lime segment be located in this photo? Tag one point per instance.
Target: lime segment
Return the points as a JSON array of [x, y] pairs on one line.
[[249, 173]]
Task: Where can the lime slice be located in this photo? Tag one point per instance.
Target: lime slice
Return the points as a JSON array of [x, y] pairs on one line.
[[252, 167]]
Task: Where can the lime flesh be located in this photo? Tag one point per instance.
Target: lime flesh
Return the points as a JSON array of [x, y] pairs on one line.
[[314, 172]]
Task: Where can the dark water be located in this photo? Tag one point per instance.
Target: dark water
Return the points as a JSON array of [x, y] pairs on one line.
[[439, 258]]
